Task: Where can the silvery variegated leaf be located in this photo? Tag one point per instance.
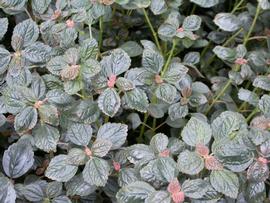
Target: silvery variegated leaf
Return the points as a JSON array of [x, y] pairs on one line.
[[90, 68], [24, 34], [17, 160], [60, 169], [7, 191], [192, 23], [159, 142], [40, 6], [109, 102], [175, 145], [167, 168], [166, 92], [152, 60], [89, 49], [264, 105], [59, 98], [26, 119], [3, 27], [159, 196], [35, 191], [194, 188], [175, 73], [77, 186], [56, 64], [116, 63], [96, 171], [141, 3], [38, 86], [77, 156], [54, 189], [116, 133], [158, 6], [224, 53], [46, 137], [73, 86], [79, 133], [206, 3], [262, 82], [37, 52], [135, 192], [225, 182], [132, 48], [190, 163], [124, 84], [196, 132], [226, 123], [127, 176], [140, 153], [264, 4], [248, 96], [5, 58], [49, 114], [177, 111], [136, 99], [227, 22], [101, 147], [61, 199]]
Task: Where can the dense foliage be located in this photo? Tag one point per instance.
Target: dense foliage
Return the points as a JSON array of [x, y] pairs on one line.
[[152, 101]]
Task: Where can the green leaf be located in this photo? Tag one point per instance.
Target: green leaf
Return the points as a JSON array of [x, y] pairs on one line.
[[158, 6], [73, 86], [205, 3], [109, 102], [190, 163], [7, 192], [116, 63], [26, 119], [226, 123], [194, 188], [196, 132], [79, 133], [227, 22], [177, 111], [136, 99], [192, 23], [49, 114], [77, 186], [3, 27], [262, 82], [135, 192], [101, 147], [17, 159], [60, 169], [37, 52], [132, 48], [96, 172], [225, 182], [24, 34], [116, 133], [4, 59], [46, 137], [159, 142], [166, 93]]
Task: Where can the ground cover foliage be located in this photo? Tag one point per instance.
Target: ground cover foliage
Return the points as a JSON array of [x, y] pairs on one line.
[[134, 101]]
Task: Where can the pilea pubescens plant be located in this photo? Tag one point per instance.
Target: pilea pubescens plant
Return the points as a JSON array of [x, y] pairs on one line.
[[134, 101]]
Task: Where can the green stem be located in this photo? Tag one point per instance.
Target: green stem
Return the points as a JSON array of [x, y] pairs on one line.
[[166, 66], [237, 6], [218, 96], [152, 30], [253, 24], [90, 29], [256, 110], [107, 118], [140, 138], [100, 33]]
